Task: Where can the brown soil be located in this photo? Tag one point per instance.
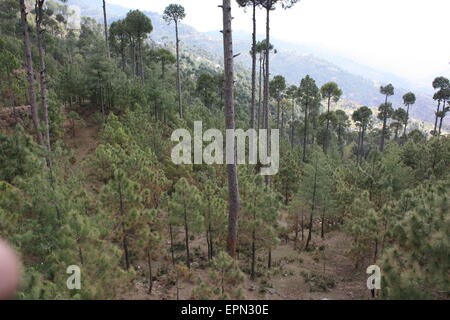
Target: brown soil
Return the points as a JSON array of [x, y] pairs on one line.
[[287, 280]]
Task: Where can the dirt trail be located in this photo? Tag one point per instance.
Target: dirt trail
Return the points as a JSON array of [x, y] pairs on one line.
[[86, 137]]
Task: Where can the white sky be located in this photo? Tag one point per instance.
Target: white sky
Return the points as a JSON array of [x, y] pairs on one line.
[[406, 37]]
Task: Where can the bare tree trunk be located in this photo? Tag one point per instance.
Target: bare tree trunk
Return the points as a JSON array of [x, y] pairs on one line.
[[105, 22], [211, 241], [313, 207], [133, 55], [305, 133], [233, 186], [124, 231], [43, 72], [292, 124], [180, 105], [406, 122], [150, 273], [358, 150], [440, 124], [383, 132], [363, 133], [341, 144], [267, 69], [266, 81], [328, 127], [30, 72], [172, 251], [139, 61], [303, 225], [253, 254], [253, 103], [186, 233], [278, 115], [436, 120], [322, 230], [260, 93]]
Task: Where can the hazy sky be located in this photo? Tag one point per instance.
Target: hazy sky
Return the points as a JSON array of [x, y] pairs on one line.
[[406, 37]]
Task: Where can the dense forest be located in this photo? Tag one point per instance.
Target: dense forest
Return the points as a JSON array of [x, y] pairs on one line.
[[87, 110]]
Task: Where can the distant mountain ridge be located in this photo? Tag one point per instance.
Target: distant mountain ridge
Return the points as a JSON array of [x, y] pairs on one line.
[[293, 61]]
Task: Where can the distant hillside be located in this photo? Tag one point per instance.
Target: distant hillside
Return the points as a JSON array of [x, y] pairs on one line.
[[292, 61]]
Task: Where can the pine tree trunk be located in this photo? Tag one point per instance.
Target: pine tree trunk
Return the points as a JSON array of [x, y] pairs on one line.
[[260, 113], [126, 252], [303, 226], [292, 124], [383, 132], [440, 124], [267, 68], [253, 103], [278, 115], [363, 133], [122, 54], [322, 231], [133, 55], [253, 254], [105, 21], [43, 71], [208, 244], [406, 121], [266, 81], [172, 251], [328, 126], [30, 72], [436, 119], [124, 231], [305, 133], [141, 62], [313, 207], [150, 273], [358, 150], [211, 242], [186, 234], [233, 186], [180, 105]]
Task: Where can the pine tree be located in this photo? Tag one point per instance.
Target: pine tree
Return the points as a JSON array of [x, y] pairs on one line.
[[309, 98], [121, 201], [226, 277], [362, 226], [259, 219], [185, 210], [416, 264], [175, 13], [385, 112], [214, 214], [330, 91]]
